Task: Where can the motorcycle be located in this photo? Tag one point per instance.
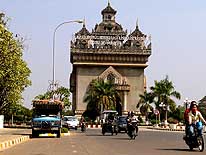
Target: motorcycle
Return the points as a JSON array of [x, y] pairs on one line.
[[132, 130], [83, 126], [195, 141]]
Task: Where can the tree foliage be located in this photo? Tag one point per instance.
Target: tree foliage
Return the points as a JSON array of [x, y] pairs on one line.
[[202, 106], [101, 95], [163, 91], [19, 112], [14, 72], [145, 102]]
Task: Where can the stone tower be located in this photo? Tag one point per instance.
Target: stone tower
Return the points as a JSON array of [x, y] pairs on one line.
[[109, 52]]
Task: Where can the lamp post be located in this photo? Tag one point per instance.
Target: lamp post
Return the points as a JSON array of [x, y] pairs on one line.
[[186, 102], [164, 106], [53, 84]]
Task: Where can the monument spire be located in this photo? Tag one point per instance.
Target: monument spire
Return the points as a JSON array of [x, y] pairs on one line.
[[137, 24], [108, 2]]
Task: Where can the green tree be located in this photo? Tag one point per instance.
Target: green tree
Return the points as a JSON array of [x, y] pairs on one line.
[[14, 72], [101, 95], [202, 106], [145, 103], [18, 113], [164, 91]]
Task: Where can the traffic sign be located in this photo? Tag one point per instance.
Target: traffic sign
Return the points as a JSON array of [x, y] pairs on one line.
[[156, 112]]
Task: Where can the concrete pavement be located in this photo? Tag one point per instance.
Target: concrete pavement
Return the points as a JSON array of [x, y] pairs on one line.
[[10, 137], [13, 136]]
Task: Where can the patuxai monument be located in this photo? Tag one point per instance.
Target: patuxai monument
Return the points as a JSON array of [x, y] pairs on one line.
[[109, 52]]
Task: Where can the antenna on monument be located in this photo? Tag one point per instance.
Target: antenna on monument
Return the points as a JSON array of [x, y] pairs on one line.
[[84, 22], [108, 2], [137, 24]]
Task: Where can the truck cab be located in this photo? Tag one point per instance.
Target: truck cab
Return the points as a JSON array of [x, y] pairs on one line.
[[46, 118]]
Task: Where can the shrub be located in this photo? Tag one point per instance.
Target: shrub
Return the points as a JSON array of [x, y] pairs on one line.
[[64, 130], [172, 120], [154, 121]]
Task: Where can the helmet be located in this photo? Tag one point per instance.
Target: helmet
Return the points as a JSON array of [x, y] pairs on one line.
[[193, 103], [132, 113]]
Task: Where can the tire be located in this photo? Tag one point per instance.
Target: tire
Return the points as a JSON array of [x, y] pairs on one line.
[[75, 127], [201, 146], [58, 133], [133, 134], [103, 132], [34, 134], [191, 148]]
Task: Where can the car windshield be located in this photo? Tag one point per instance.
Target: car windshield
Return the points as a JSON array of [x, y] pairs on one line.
[[122, 119], [70, 119]]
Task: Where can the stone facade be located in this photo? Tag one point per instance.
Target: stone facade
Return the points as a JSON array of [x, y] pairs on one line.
[[109, 51]]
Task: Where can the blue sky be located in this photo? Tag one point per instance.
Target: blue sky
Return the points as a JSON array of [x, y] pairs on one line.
[[177, 28]]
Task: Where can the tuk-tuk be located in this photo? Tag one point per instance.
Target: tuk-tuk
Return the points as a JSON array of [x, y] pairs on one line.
[[109, 122]]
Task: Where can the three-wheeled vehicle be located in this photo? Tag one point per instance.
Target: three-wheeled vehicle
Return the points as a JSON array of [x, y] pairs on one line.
[[109, 122]]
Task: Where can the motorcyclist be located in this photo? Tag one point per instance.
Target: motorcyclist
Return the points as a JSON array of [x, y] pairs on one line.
[[82, 123], [132, 119], [195, 119]]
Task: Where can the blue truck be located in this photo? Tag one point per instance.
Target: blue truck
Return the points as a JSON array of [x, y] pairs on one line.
[[46, 118]]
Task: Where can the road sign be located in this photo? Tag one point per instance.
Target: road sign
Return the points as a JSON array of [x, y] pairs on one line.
[[156, 112]]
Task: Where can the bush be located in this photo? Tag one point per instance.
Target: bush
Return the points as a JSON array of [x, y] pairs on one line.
[[172, 120], [64, 130], [153, 121], [140, 119]]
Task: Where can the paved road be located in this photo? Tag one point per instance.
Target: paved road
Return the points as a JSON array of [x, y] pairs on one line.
[[93, 143]]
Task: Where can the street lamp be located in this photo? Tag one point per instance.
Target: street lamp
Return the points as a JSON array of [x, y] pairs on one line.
[[53, 84], [186, 102], [165, 107]]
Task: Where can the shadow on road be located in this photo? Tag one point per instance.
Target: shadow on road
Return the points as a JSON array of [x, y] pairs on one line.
[[175, 149], [99, 135], [123, 138]]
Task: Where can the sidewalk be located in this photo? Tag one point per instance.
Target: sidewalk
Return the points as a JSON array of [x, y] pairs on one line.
[[9, 137], [13, 136]]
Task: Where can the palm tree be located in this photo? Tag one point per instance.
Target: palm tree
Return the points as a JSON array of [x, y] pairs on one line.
[[163, 91], [145, 103], [101, 95]]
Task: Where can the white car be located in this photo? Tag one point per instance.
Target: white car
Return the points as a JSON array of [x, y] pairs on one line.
[[70, 122]]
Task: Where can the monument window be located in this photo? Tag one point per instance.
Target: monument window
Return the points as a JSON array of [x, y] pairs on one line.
[[111, 78]]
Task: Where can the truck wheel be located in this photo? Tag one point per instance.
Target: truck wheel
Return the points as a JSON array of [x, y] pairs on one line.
[[34, 134], [58, 133]]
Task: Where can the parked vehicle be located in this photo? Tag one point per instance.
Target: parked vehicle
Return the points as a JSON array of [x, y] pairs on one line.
[[46, 119], [109, 122], [195, 141], [122, 123], [70, 122]]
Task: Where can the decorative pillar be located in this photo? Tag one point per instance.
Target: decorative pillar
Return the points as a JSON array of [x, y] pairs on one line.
[[125, 101]]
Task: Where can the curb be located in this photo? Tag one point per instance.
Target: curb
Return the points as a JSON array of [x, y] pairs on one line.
[[9, 143], [66, 134], [94, 126], [165, 129]]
